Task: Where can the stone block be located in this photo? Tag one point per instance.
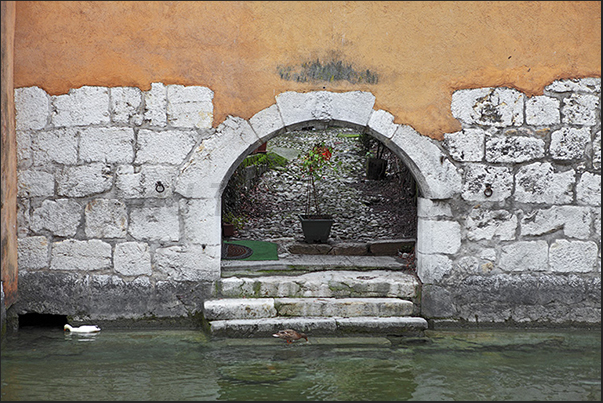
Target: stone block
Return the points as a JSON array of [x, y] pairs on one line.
[[586, 85], [84, 180], [478, 176], [132, 259], [489, 224], [32, 108], [353, 107], [52, 292], [523, 297], [382, 122], [189, 263], [202, 220], [573, 220], [435, 237], [112, 298], [597, 150], [164, 147], [33, 183], [513, 149], [309, 248], [126, 105], [155, 105], [55, 146], [588, 189], [427, 208], [436, 302], [466, 145], [542, 111], [84, 256], [573, 256], [569, 143], [580, 109], [81, 107], [596, 212], [499, 107], [437, 177], [190, 106], [265, 327], [141, 182], [390, 247], [225, 309], [23, 217], [527, 256], [297, 108], [175, 298], [432, 268], [234, 287], [61, 217], [343, 307], [539, 183], [107, 144], [106, 218], [267, 121], [33, 253], [205, 174], [155, 223], [349, 249], [24, 151]]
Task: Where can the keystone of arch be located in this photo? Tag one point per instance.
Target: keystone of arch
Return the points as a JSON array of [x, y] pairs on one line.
[[345, 108]]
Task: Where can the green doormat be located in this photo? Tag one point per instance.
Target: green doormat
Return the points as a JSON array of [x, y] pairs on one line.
[[261, 250]]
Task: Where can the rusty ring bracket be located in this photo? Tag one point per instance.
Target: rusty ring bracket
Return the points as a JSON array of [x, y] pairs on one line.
[[488, 190]]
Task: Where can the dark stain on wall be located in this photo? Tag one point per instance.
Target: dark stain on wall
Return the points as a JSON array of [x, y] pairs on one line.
[[335, 70]]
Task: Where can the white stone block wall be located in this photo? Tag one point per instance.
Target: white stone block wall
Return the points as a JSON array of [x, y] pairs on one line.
[[124, 184], [89, 166], [541, 158]]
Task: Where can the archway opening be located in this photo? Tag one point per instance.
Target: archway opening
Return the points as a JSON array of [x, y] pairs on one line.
[[264, 199]]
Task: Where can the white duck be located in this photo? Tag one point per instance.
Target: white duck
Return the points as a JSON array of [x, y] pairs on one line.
[[82, 329]]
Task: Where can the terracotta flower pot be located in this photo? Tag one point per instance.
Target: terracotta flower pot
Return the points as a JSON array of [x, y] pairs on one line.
[[227, 229]]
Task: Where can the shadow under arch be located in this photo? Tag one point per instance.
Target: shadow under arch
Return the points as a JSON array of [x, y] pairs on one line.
[[205, 174]]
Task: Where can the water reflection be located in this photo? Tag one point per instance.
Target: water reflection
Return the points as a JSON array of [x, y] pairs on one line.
[[184, 365]]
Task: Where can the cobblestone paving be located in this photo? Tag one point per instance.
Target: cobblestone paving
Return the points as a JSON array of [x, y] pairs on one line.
[[363, 209]]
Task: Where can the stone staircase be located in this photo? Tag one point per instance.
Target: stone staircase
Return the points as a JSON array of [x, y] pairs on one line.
[[318, 295]]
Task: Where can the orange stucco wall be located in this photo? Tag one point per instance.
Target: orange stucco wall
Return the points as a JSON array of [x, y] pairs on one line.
[[420, 51]]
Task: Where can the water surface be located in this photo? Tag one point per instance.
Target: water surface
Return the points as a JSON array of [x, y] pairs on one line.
[[46, 364]]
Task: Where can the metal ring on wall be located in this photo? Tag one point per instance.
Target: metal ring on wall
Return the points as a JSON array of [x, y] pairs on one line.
[[159, 187], [488, 190]]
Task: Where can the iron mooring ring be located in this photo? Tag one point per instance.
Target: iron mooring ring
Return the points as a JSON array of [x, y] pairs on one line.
[[488, 190], [159, 187]]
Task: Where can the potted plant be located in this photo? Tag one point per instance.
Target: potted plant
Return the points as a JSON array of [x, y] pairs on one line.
[[316, 225], [231, 223], [376, 165]]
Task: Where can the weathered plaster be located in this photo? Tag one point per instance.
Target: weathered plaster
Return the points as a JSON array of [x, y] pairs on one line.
[[421, 52]]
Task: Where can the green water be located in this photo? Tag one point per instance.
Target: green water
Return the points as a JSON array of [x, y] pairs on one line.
[[46, 364]]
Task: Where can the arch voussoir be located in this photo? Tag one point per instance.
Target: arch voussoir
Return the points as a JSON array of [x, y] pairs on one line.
[[206, 172], [348, 108]]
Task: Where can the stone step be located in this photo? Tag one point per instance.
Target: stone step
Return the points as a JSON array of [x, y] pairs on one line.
[[324, 284], [319, 326], [245, 308], [300, 264]]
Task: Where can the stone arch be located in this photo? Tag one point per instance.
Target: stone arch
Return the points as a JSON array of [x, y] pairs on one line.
[[204, 175]]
